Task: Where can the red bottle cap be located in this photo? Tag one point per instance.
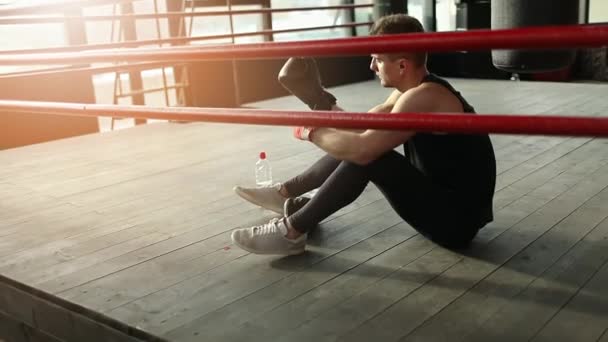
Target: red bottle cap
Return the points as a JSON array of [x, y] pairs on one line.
[[262, 155]]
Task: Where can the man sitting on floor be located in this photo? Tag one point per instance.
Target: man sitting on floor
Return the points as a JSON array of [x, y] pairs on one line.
[[443, 186]]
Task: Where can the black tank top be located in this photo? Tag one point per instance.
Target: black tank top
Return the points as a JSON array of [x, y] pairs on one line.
[[462, 163]]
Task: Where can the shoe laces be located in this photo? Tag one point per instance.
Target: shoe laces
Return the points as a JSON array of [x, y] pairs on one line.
[[270, 228]]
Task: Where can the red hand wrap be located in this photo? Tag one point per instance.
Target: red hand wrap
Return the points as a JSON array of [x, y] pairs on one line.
[[303, 133]]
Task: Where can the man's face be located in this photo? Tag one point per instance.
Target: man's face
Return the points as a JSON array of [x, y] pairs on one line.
[[389, 71]]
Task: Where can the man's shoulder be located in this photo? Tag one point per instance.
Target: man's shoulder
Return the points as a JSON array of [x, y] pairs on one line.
[[427, 90], [434, 97], [424, 96]]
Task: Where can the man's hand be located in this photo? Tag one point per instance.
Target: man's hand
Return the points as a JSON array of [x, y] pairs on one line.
[[300, 76], [303, 133]]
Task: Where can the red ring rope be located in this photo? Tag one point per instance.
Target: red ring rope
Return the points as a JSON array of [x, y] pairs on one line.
[[521, 38], [422, 122]]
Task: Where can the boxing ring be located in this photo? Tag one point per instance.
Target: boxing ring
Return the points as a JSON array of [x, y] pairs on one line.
[[136, 240]]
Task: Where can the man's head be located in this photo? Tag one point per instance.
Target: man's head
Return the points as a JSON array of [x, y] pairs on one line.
[[390, 67]]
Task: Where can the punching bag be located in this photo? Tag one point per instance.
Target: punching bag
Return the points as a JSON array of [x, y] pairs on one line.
[[508, 14]]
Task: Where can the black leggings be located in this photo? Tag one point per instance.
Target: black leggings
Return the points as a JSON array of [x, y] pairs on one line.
[[435, 212]]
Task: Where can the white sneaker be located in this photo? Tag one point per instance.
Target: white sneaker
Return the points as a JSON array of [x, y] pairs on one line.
[[267, 197], [268, 239], [293, 204]]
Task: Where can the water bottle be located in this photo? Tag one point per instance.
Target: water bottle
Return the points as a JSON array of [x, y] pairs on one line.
[[263, 171]]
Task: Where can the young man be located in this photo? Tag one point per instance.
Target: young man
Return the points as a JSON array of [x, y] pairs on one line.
[[443, 186]]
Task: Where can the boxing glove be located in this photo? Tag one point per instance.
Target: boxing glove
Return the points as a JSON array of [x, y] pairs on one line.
[[300, 76]]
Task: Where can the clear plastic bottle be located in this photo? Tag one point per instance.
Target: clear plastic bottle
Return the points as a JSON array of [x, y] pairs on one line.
[[263, 171]]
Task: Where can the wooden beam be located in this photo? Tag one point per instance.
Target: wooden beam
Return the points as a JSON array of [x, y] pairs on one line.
[[129, 32], [56, 319]]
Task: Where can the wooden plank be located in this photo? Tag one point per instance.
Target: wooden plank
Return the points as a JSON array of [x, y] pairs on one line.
[[121, 258], [186, 209], [47, 315], [121, 168], [248, 275], [109, 147], [201, 233], [20, 241], [55, 153], [183, 233], [216, 171], [59, 212], [545, 297], [301, 296], [12, 330], [161, 200], [538, 161], [519, 151], [604, 336], [38, 271], [324, 325], [575, 162], [214, 174], [164, 165], [19, 209], [57, 277], [183, 210], [148, 221], [125, 295], [530, 287], [583, 317]]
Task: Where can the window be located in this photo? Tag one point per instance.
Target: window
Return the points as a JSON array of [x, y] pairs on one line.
[[304, 19], [446, 15], [598, 11]]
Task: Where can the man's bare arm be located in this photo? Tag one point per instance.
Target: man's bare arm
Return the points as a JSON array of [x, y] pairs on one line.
[[385, 107], [364, 147]]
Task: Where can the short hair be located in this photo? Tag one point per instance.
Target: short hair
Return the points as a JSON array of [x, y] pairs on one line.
[[398, 24]]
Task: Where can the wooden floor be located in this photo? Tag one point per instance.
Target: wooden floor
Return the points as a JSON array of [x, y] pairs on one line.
[[136, 224]]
